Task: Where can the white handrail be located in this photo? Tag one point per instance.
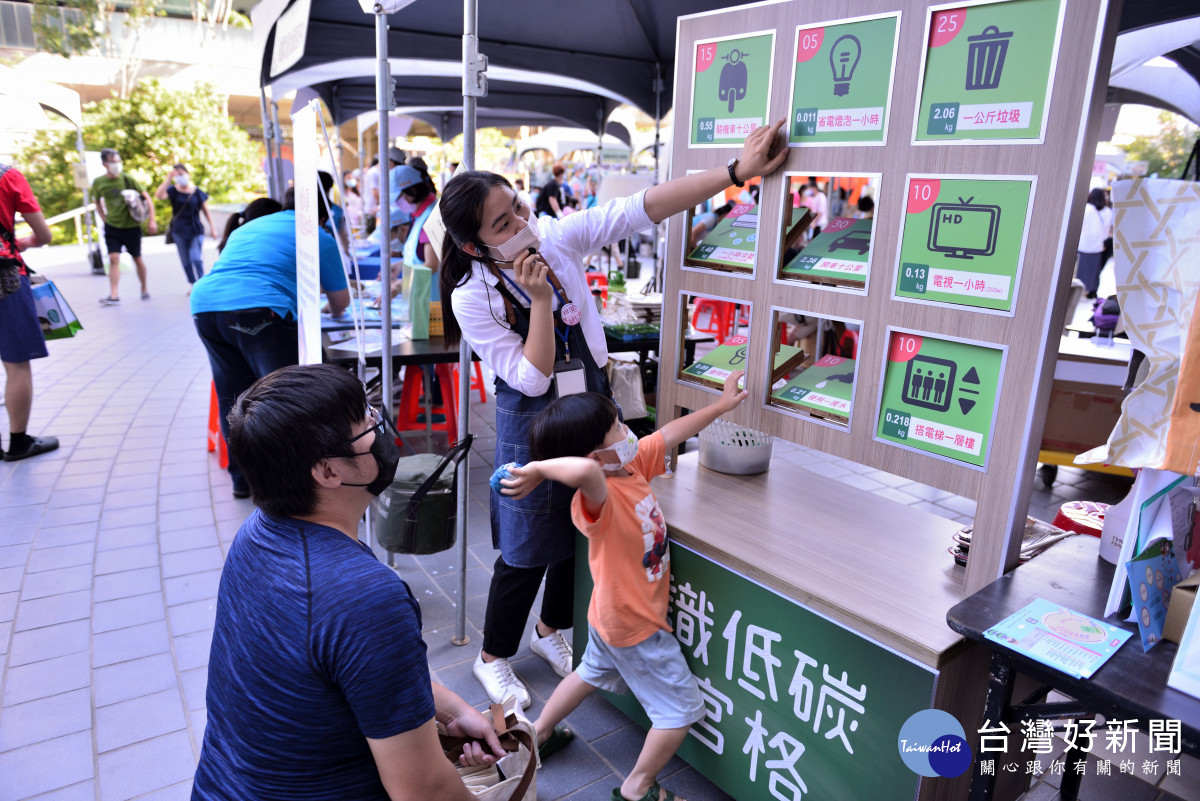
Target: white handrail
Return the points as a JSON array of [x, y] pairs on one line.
[[69, 214]]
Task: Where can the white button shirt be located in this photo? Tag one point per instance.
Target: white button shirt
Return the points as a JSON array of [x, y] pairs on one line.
[[479, 306]]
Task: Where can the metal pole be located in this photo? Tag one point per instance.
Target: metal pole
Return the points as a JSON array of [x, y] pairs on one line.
[[277, 135], [474, 85], [655, 283], [269, 146], [383, 104], [87, 215]]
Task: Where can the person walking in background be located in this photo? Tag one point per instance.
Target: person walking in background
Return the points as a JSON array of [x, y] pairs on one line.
[[370, 194], [1097, 223], [245, 309], [115, 194], [20, 333], [187, 203]]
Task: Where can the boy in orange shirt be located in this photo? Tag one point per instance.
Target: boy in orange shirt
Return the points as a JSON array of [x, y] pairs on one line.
[[579, 441]]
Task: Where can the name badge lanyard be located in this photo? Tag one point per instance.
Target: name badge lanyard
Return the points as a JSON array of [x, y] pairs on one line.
[[567, 310]]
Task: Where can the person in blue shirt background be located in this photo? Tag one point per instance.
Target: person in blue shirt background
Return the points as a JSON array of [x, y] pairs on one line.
[[245, 308]]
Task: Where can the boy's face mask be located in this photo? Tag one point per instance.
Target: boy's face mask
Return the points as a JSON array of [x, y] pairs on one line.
[[615, 457], [518, 243]]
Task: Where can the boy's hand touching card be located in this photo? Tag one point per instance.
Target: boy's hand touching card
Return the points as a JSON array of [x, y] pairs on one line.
[[733, 392]]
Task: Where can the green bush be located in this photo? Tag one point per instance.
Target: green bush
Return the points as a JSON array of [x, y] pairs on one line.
[[152, 129]]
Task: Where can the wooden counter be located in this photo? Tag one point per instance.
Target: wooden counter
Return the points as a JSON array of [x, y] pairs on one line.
[[875, 566]]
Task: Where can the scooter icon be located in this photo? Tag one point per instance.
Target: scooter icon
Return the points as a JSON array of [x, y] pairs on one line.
[[734, 77]]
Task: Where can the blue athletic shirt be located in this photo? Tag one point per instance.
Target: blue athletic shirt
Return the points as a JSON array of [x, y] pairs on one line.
[[257, 268], [317, 646]]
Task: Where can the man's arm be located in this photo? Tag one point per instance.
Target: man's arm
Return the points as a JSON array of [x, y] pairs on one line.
[[339, 301], [41, 232], [100, 210], [688, 426]]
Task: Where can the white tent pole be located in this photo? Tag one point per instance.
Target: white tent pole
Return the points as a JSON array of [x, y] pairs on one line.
[[269, 145], [277, 136], [87, 215], [654, 284], [383, 104], [474, 85]]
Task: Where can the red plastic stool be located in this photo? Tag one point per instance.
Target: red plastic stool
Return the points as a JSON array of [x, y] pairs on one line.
[[476, 382], [719, 313], [409, 416], [599, 280], [1083, 517], [216, 441]]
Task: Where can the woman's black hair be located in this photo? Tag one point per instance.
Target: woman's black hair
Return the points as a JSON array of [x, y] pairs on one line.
[[865, 204], [573, 425], [462, 214], [1096, 198], [418, 164], [257, 208]]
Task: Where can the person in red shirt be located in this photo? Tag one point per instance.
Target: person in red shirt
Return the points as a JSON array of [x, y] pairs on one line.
[[20, 334]]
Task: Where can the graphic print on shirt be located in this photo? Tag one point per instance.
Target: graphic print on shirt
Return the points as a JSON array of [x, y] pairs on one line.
[[655, 557]]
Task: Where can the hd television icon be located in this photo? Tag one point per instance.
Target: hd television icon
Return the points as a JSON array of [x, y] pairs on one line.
[[964, 230]]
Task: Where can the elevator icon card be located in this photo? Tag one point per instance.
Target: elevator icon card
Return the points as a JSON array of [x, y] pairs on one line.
[[963, 240], [940, 396], [731, 85], [842, 80]]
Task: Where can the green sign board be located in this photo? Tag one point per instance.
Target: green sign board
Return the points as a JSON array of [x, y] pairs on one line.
[[798, 706], [731, 243], [962, 240], [842, 251], [987, 70], [842, 81], [940, 396], [731, 84], [825, 389]]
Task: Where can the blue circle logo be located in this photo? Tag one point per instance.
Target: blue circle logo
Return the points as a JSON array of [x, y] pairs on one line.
[[932, 743]]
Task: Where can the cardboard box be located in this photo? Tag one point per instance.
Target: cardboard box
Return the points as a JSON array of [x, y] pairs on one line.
[[1180, 607], [1080, 416]]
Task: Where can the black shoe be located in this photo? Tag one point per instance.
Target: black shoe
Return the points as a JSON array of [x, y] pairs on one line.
[[36, 445], [241, 491]]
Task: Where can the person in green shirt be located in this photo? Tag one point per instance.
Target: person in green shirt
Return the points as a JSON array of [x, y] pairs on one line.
[[114, 193]]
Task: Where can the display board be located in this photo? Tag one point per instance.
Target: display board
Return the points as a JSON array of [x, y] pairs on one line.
[[824, 390], [731, 244], [797, 705], [840, 254]]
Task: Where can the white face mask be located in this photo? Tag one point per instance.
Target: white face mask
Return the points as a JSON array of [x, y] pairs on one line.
[[114, 168], [182, 180], [517, 244], [625, 451]]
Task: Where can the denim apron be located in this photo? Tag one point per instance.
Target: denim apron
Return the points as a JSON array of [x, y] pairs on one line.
[[536, 530]]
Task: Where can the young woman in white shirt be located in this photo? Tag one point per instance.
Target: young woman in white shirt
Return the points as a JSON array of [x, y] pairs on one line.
[[1097, 226], [514, 287]]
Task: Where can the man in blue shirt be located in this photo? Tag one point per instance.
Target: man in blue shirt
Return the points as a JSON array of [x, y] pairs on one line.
[[318, 684]]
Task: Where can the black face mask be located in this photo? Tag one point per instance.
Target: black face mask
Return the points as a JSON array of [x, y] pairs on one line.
[[384, 450]]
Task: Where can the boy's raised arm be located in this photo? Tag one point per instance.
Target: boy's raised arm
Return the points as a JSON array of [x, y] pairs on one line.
[[683, 428]]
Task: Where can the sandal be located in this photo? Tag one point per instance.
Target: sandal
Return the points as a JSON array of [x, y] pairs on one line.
[[558, 740], [655, 793]]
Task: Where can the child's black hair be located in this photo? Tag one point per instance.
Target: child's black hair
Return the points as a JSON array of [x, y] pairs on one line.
[[574, 425]]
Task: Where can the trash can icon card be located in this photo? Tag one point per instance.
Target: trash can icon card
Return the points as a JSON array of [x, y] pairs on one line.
[[939, 396], [963, 240], [731, 84], [987, 70], [842, 81]]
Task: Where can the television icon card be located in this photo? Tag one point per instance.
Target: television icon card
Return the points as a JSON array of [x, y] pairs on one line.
[[939, 396], [963, 240]]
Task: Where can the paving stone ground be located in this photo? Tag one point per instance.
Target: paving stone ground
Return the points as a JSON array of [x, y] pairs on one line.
[[111, 550]]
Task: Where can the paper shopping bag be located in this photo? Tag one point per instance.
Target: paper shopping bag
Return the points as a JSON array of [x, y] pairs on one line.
[[54, 314], [415, 287]]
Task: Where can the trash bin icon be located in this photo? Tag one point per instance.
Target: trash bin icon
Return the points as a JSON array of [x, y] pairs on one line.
[[985, 58]]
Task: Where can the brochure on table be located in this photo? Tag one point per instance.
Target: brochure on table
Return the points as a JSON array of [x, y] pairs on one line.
[[731, 243], [841, 85], [987, 71], [963, 240], [1153, 573], [842, 252], [731, 84], [939, 396], [1056, 636], [826, 388]]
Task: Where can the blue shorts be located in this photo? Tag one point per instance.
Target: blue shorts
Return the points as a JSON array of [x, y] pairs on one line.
[[654, 670], [20, 334], [129, 238]]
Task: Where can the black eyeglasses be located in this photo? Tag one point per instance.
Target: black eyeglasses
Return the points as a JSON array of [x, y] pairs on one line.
[[378, 425]]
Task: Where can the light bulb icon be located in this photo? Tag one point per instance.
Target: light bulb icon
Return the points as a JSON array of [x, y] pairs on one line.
[[843, 59]]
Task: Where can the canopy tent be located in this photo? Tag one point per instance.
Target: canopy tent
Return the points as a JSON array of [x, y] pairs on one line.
[[562, 141]]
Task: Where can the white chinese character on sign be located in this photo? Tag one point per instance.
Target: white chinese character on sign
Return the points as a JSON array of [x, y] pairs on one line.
[[838, 690], [1038, 736], [1119, 734], [692, 620], [1166, 736], [756, 742], [758, 645], [1073, 735], [790, 751], [991, 739], [801, 688], [716, 706]]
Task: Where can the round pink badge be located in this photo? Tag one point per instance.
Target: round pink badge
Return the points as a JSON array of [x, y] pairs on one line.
[[570, 313]]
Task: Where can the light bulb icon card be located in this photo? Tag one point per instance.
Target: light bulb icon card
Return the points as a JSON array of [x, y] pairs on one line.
[[731, 84], [842, 82], [987, 70], [963, 240], [939, 396]]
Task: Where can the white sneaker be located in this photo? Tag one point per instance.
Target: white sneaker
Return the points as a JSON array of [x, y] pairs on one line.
[[555, 649], [499, 680]]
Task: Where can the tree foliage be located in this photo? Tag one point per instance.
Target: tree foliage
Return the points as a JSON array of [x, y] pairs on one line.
[[152, 129], [1167, 152]]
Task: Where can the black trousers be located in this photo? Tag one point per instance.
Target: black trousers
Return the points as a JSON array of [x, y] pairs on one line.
[[511, 597]]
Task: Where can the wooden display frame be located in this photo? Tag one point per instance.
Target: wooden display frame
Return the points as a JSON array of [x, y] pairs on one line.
[[1059, 161]]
